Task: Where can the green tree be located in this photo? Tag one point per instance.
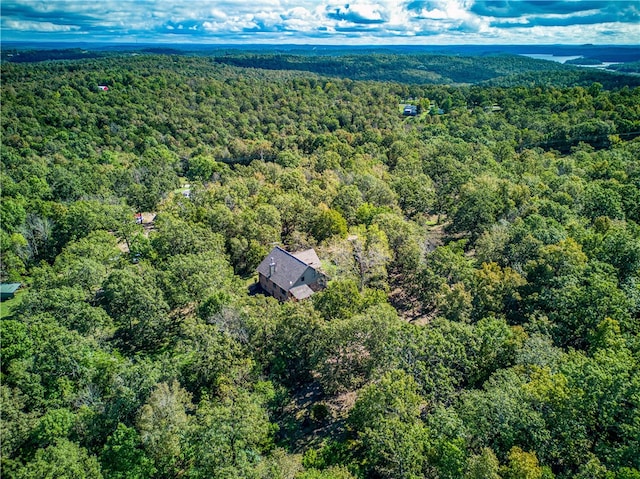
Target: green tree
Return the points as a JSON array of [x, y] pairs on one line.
[[17, 421], [404, 243], [601, 199], [391, 437], [522, 465], [483, 466], [153, 176], [347, 202], [39, 234], [136, 304], [122, 456], [12, 213], [334, 472], [194, 277], [13, 253], [209, 359], [363, 257], [343, 299], [496, 289], [294, 348], [575, 294], [86, 216], [62, 460], [53, 425], [352, 350], [59, 365], [202, 168], [328, 223], [443, 268], [479, 206], [501, 415], [448, 175], [295, 214], [68, 305], [415, 193], [176, 236], [233, 434], [371, 254], [165, 424]]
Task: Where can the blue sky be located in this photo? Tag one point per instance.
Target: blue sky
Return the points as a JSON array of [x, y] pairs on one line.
[[358, 22]]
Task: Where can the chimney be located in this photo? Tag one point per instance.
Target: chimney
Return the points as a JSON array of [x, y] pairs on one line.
[[272, 267]]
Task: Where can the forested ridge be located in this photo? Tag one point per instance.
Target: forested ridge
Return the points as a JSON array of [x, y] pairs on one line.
[[482, 314]]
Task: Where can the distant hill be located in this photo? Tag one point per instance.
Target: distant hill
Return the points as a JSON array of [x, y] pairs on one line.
[[604, 53], [16, 55], [437, 65], [402, 68], [631, 67]]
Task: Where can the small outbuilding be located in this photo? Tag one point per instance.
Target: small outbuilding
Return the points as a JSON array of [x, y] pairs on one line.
[[8, 290], [410, 110], [294, 276]]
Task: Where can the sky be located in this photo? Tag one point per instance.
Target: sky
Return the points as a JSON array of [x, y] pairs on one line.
[[326, 22]]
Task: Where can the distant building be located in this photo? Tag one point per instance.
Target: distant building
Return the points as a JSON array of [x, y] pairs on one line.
[[410, 110], [8, 290], [295, 276]]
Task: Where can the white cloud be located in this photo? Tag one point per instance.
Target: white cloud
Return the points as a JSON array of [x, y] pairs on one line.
[[320, 21], [367, 11], [217, 14], [30, 26]]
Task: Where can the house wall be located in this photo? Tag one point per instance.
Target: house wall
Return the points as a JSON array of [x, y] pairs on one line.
[[313, 278], [272, 288], [310, 276]]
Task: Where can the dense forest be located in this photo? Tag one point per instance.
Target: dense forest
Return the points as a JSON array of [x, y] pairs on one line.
[[482, 317]]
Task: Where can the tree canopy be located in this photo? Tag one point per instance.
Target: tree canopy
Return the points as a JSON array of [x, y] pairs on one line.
[[481, 318]]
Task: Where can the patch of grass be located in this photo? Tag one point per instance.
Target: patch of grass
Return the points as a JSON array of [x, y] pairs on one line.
[[8, 307], [250, 279], [185, 185]]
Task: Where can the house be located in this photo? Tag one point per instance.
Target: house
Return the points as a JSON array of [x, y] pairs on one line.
[[295, 276], [410, 110], [7, 290]]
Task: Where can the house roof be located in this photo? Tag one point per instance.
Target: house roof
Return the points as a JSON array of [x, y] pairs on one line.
[[287, 268], [301, 292], [8, 288], [308, 256]]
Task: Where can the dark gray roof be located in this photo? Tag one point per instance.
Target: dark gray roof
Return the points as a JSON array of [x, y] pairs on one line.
[[287, 268], [301, 292], [308, 256]]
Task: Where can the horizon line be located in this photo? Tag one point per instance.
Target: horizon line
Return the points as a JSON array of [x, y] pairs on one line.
[[115, 42]]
